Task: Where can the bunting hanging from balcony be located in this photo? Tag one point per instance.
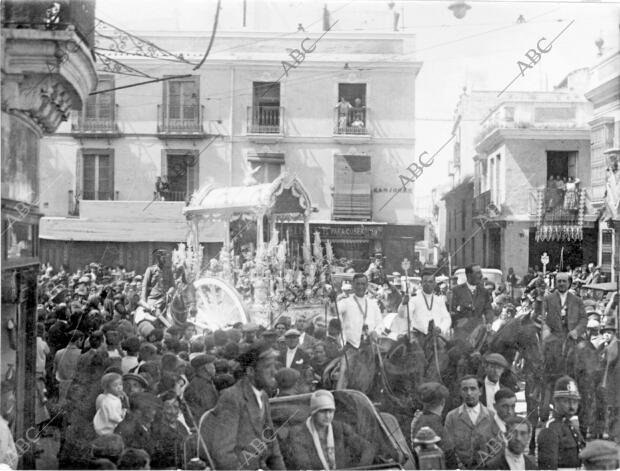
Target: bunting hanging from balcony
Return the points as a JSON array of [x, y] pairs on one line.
[[113, 39], [559, 217]]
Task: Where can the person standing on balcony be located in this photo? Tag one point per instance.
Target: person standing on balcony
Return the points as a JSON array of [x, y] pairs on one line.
[[571, 198], [359, 112], [159, 189], [560, 183], [343, 107]]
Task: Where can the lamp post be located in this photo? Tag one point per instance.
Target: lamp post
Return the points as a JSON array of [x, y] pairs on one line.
[[405, 265]]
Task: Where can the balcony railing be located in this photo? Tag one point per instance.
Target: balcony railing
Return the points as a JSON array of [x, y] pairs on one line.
[[352, 121], [168, 195], [98, 195], [352, 206], [555, 206], [482, 202], [75, 14], [265, 119], [94, 127], [180, 120]]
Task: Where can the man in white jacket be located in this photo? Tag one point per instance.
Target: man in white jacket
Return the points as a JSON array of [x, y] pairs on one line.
[[424, 307]]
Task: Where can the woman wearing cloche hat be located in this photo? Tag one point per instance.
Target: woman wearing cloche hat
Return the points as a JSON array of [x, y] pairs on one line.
[[320, 442]]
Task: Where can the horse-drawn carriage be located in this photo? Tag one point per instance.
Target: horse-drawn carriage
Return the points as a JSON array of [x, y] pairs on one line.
[[352, 408]]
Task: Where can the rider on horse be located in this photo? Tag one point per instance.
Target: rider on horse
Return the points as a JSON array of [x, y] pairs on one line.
[[157, 282], [361, 317], [423, 308]]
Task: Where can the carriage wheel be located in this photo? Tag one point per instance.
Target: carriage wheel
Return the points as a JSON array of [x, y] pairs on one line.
[[218, 304]]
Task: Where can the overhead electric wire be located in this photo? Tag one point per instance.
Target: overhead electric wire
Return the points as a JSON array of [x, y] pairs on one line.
[[215, 22]]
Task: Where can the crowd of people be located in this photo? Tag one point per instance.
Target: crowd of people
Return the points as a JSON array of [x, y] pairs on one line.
[[126, 390]]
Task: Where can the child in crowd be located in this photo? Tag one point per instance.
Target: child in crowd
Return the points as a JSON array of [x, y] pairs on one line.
[[110, 410]]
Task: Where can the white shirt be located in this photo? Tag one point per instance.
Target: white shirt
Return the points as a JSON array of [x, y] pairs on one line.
[[514, 461], [421, 314], [472, 288], [290, 354], [502, 425], [352, 311], [259, 396], [473, 412], [490, 389], [563, 297]]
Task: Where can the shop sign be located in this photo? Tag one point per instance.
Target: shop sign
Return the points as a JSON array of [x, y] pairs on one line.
[[392, 190], [354, 232]]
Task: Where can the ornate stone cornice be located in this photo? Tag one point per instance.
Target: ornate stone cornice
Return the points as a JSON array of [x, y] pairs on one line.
[[45, 74]]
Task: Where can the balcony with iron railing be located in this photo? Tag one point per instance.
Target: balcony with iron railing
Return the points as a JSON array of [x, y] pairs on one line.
[[352, 122], [180, 121], [265, 119], [170, 195], [73, 206], [555, 205], [481, 203], [87, 126]]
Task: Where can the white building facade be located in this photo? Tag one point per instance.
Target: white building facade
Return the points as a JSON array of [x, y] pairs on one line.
[[248, 114]]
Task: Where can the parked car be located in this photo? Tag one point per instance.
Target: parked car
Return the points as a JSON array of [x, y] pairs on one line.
[[490, 274]]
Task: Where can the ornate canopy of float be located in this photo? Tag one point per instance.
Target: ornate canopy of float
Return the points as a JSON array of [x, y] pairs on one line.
[[263, 285]]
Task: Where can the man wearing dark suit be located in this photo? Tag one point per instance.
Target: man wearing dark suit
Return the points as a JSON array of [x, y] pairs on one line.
[[433, 398], [563, 312], [136, 428], [239, 431], [513, 457], [294, 357], [470, 304], [201, 394]]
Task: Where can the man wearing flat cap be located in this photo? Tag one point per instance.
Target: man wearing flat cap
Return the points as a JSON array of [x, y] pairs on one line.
[[294, 357], [433, 398], [494, 379], [201, 394], [601, 454], [239, 432], [560, 441]]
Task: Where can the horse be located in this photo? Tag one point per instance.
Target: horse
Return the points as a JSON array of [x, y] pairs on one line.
[[389, 377]]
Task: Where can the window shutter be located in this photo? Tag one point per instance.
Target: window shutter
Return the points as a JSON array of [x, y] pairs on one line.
[[106, 100], [192, 166], [164, 164], [78, 174], [111, 174], [352, 192]]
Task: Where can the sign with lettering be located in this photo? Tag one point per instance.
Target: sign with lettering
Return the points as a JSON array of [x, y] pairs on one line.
[[353, 232], [392, 190]]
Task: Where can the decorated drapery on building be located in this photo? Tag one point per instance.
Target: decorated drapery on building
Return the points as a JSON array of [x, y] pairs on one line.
[[560, 212]]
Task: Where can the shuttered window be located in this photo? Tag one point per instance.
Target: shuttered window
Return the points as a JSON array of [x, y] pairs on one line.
[[97, 175], [607, 250], [101, 106], [352, 192], [266, 167]]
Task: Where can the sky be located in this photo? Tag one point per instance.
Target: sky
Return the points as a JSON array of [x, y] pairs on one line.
[[479, 51]]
